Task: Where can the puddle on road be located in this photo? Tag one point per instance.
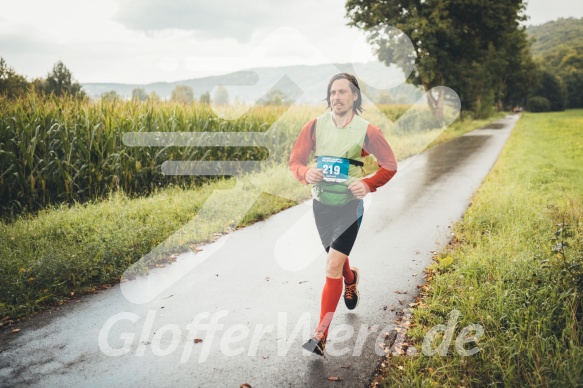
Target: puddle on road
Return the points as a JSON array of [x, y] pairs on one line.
[[441, 161], [494, 126], [448, 157]]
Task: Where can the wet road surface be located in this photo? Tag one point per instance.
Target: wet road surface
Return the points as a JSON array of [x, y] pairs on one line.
[[256, 301]]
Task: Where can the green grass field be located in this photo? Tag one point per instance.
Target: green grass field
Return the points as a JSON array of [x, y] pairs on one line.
[[67, 250], [515, 267]]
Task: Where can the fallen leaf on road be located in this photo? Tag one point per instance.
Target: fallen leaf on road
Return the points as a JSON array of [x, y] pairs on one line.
[[15, 330], [197, 340], [245, 386], [334, 379]]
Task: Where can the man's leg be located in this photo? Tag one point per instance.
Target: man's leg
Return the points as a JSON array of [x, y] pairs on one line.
[[347, 273], [332, 289], [332, 224]]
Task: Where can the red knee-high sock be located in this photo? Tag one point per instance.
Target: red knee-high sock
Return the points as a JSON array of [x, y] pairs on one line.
[[347, 273], [330, 297]]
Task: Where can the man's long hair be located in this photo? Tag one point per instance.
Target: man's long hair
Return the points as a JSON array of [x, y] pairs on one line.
[[357, 108]]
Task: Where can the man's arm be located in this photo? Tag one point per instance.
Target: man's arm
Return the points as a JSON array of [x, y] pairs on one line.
[[376, 144], [298, 161]]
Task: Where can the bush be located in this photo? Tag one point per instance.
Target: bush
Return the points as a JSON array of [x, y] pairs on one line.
[[553, 89], [538, 104]]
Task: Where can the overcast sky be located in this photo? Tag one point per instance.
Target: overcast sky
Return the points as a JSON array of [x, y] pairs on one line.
[[143, 41]]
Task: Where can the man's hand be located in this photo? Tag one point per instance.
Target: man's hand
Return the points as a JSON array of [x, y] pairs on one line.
[[314, 175], [359, 189]]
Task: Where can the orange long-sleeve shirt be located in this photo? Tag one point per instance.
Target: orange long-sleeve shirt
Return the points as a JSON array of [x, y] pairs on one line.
[[374, 143]]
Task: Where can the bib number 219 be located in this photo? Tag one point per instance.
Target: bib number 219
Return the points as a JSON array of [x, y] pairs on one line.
[[334, 169]]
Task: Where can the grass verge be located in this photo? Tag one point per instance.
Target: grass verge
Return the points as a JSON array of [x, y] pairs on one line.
[[514, 267], [64, 251]]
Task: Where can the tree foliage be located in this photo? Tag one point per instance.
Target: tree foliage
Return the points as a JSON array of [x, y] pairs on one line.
[[538, 104], [183, 94], [553, 89], [555, 34], [60, 82], [475, 47], [11, 84], [154, 97], [110, 96], [221, 96], [275, 97], [205, 98], [558, 50], [139, 94], [565, 62]]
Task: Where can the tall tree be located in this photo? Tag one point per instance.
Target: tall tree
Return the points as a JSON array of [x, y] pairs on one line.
[[205, 98], [11, 84], [139, 94], [462, 44], [275, 97], [221, 96], [60, 82], [183, 94], [154, 97], [552, 88], [110, 96], [566, 62]]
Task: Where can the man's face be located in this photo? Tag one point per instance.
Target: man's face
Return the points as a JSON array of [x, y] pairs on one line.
[[341, 97]]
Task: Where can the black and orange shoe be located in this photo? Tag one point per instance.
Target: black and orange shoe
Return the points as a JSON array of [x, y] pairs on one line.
[[316, 344], [351, 292]]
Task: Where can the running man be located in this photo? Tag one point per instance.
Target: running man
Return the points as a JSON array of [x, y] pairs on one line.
[[340, 139]]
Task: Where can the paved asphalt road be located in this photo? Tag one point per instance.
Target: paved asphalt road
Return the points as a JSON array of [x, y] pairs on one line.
[[257, 300]]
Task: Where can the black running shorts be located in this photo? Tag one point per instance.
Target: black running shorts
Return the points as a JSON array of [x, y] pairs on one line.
[[338, 225]]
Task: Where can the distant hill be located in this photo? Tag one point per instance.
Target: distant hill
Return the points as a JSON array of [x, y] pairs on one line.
[[552, 35], [308, 83]]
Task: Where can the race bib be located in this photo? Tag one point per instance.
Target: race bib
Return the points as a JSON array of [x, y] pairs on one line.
[[334, 169]]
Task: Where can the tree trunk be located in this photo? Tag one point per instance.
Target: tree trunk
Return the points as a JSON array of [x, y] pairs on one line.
[[436, 105]]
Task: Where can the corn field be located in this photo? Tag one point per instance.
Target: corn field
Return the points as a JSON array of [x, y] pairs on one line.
[[64, 150]]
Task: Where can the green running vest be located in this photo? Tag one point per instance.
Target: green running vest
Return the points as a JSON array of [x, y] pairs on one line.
[[343, 142]]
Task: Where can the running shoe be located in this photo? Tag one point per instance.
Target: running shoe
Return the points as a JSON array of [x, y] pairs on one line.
[[351, 292], [316, 344]]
